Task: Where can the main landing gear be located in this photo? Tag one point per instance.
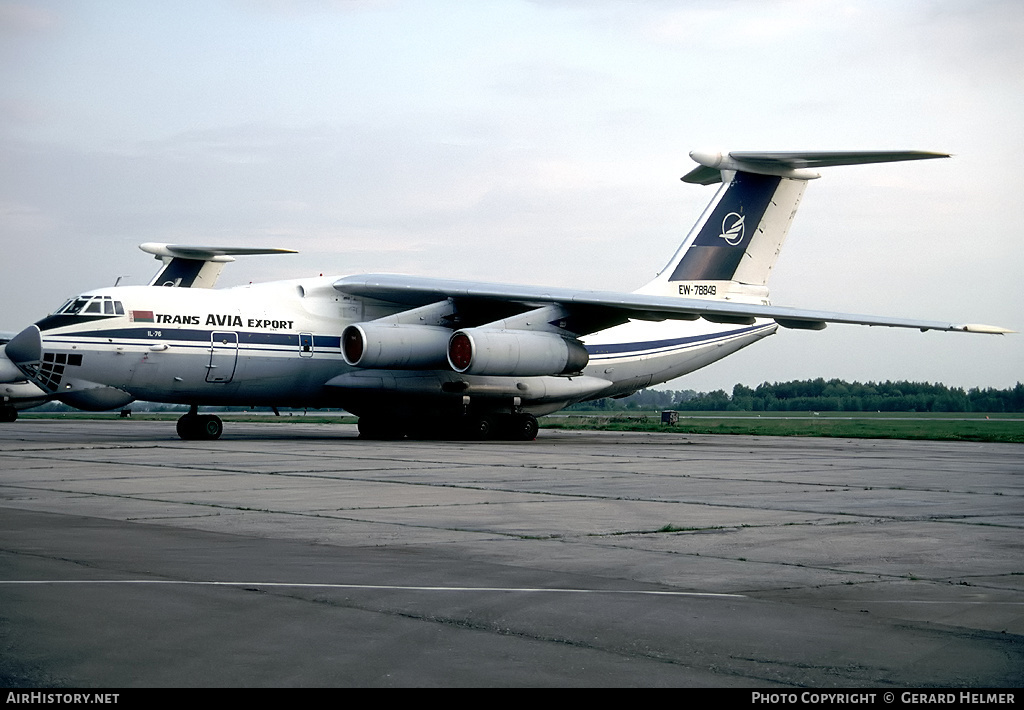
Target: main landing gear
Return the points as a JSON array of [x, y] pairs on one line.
[[510, 427], [8, 414], [523, 427], [514, 427], [193, 426]]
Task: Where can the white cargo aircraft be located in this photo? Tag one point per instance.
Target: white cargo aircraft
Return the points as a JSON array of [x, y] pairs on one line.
[[424, 356]]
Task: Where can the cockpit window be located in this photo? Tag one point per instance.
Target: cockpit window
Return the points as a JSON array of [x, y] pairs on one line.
[[74, 306], [104, 305]]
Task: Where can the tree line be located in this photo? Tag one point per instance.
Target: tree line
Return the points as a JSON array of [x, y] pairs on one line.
[[825, 396]]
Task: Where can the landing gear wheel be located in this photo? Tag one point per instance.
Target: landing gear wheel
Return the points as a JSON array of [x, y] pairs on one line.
[[523, 427], [8, 414], [210, 427], [187, 427], [192, 427], [478, 428]]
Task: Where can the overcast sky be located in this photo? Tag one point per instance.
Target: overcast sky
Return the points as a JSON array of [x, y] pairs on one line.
[[527, 141]]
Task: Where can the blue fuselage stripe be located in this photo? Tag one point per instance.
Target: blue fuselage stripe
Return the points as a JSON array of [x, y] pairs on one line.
[[203, 336]]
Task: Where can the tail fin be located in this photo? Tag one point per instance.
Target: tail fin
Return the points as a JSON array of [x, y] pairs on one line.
[[729, 254], [195, 266]]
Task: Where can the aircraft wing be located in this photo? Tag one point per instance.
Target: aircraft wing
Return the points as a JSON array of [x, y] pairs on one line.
[[420, 291]]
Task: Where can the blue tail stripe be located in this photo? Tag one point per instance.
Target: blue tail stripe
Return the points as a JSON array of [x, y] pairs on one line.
[[718, 248]]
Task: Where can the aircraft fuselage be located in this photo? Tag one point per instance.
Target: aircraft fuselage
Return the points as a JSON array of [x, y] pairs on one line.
[[279, 344]]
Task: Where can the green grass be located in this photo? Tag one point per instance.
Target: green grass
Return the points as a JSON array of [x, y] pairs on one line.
[[856, 425]]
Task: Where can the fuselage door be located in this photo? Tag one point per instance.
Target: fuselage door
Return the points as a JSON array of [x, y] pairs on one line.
[[223, 356], [305, 345]]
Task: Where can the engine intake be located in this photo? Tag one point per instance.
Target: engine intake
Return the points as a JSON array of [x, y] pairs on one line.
[[395, 347], [514, 353]]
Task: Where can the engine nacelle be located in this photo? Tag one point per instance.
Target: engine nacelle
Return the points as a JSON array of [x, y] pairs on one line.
[[514, 353], [395, 347]]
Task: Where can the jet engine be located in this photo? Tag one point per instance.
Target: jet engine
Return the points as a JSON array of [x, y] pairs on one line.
[[514, 353], [395, 347]]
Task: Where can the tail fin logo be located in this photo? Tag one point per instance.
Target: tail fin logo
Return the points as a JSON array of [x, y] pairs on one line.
[[733, 228]]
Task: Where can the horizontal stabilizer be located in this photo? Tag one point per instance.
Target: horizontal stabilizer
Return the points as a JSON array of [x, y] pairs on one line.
[[188, 266], [201, 253], [796, 165]]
